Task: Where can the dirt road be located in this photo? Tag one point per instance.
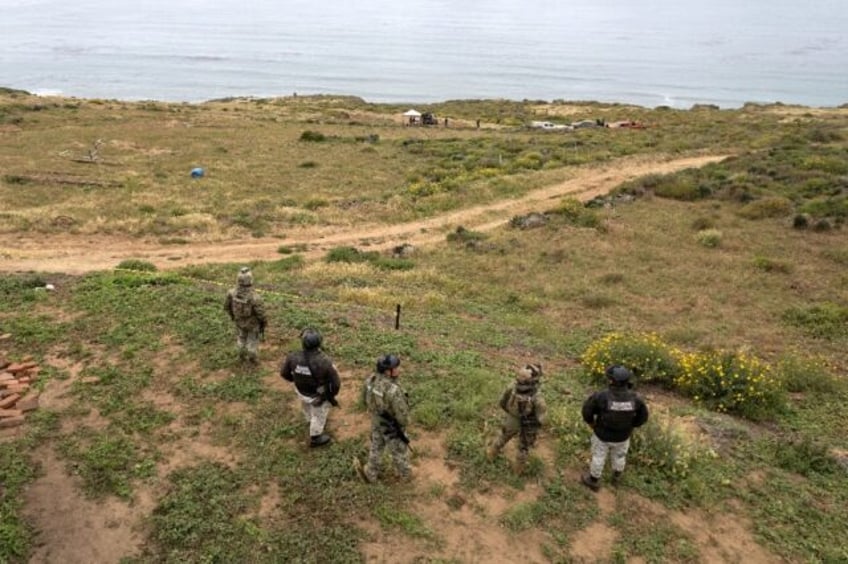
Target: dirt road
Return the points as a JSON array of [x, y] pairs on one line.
[[78, 254]]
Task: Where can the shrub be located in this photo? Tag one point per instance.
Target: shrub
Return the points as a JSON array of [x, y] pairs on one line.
[[774, 206], [659, 448], [348, 254], [801, 374], [771, 265], [576, 213], [823, 321], [313, 136], [702, 223], [315, 203], [463, 235], [137, 264], [800, 221], [804, 457], [650, 359], [710, 238], [731, 382]]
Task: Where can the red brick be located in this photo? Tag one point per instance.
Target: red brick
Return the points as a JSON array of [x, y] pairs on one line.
[[10, 413], [18, 388], [9, 400], [6, 376], [17, 367], [12, 421], [27, 403]]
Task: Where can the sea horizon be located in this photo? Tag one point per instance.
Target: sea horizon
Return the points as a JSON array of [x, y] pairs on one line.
[[659, 53]]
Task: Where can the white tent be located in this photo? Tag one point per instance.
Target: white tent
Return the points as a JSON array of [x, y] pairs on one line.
[[413, 117]]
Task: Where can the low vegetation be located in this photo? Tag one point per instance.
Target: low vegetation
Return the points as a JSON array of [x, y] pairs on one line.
[[739, 344]]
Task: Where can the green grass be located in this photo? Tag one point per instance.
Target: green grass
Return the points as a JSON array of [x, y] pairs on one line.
[[158, 352]]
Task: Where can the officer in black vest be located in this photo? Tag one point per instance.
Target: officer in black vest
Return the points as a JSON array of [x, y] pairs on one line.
[[316, 382], [612, 414]]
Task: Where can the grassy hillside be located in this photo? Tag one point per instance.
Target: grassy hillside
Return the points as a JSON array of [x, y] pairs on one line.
[[146, 406]]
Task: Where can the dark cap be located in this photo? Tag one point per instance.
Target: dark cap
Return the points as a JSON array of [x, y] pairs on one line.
[[387, 362], [619, 374]]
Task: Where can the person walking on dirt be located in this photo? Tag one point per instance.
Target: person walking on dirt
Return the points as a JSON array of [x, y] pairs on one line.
[[526, 411], [316, 382], [389, 408], [244, 306], [612, 414]]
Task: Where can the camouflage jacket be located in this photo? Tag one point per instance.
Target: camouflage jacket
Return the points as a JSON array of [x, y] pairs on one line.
[[382, 394], [245, 308], [518, 402]]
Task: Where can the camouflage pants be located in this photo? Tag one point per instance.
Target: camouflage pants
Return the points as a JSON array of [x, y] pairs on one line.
[[247, 341], [315, 415], [617, 453], [526, 440], [396, 448]]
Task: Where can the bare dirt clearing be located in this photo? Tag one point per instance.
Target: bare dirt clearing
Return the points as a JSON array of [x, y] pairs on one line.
[[72, 254], [72, 528]]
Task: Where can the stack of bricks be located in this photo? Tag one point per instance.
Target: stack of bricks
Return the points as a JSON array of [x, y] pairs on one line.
[[16, 398]]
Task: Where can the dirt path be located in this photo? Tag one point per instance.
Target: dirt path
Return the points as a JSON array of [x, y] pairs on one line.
[[78, 254]]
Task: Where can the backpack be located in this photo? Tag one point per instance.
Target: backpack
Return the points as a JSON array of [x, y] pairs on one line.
[[242, 308], [521, 405]]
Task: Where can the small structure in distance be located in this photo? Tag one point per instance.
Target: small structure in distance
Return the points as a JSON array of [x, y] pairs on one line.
[[413, 117]]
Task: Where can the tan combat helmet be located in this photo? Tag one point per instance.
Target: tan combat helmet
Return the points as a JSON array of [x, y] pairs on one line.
[[530, 372], [245, 277]]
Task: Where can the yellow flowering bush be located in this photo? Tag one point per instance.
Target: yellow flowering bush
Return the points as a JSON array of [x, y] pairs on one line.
[[730, 382], [647, 355]]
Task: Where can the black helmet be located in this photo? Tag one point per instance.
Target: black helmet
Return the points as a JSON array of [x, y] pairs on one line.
[[619, 374], [310, 338], [387, 362]]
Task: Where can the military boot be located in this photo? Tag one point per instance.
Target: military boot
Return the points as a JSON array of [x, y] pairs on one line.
[[360, 471], [616, 477], [590, 482], [319, 440]]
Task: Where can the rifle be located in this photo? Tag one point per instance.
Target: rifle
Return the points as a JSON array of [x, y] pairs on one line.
[[395, 428], [325, 393], [530, 422]]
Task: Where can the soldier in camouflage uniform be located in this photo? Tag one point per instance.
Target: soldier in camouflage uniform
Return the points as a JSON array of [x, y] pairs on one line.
[[389, 408], [525, 412], [244, 306], [316, 381]]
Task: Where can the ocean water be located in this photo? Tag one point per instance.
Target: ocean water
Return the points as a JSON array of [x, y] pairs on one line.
[[646, 52]]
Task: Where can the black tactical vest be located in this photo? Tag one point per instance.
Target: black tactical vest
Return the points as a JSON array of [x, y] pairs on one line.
[[620, 410]]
